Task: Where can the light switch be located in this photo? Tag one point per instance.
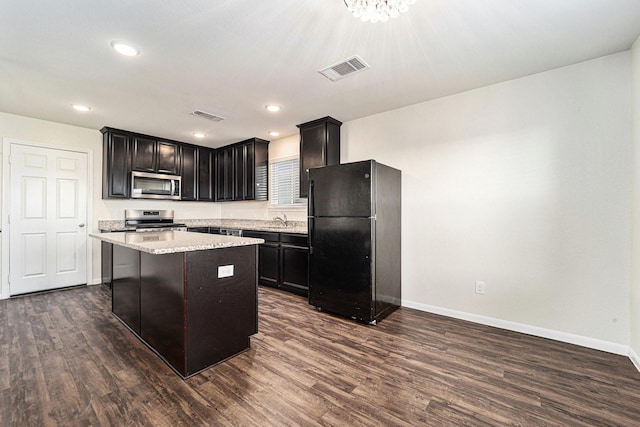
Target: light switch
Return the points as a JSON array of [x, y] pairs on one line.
[[225, 271]]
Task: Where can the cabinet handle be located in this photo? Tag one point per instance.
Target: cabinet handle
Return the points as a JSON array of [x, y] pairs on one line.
[[81, 225]]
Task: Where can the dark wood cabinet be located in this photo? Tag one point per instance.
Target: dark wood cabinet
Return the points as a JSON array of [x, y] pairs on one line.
[[116, 164], [294, 263], [224, 174], [178, 306], [282, 261], [144, 154], [319, 146], [206, 174], [188, 172], [242, 171], [168, 158], [235, 172], [151, 155]]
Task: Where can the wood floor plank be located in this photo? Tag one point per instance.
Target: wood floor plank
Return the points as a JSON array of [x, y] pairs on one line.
[[65, 360]]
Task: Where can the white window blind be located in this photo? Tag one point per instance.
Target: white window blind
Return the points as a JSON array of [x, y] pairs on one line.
[[285, 183]]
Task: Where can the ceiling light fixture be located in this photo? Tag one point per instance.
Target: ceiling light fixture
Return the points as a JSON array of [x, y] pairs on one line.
[[274, 133], [377, 10], [199, 134], [272, 108], [124, 49], [82, 108]]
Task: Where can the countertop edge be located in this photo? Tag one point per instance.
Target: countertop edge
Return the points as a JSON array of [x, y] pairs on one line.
[[174, 246]]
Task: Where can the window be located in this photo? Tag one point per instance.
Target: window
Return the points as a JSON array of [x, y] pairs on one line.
[[285, 183]]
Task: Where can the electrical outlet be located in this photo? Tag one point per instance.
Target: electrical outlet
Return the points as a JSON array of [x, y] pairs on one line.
[[225, 271], [480, 287]]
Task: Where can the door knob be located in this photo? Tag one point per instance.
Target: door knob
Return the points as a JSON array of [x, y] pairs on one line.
[[81, 225]]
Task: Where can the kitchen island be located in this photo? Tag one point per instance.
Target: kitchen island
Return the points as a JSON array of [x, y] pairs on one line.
[[190, 297]]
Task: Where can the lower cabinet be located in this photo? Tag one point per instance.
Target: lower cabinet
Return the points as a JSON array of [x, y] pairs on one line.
[[282, 261]]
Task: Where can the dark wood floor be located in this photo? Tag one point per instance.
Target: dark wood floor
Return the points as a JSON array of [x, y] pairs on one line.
[[65, 360]]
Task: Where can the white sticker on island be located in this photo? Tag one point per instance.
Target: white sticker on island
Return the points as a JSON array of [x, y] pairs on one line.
[[225, 271]]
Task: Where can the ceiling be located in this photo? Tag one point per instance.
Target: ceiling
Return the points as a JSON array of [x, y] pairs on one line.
[[232, 57]]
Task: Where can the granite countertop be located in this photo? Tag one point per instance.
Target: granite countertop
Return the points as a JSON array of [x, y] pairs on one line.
[[168, 242], [296, 227]]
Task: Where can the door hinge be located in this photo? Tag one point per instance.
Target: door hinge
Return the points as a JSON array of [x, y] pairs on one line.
[[10, 158]]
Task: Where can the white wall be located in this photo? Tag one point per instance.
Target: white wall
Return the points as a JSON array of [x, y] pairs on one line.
[[525, 185], [635, 282]]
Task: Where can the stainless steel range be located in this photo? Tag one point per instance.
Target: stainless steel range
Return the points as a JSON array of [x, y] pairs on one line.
[[151, 220]]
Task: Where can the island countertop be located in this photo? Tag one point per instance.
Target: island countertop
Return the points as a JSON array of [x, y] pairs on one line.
[[168, 242]]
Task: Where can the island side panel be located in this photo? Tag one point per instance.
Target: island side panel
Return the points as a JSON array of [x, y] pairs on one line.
[[222, 312], [162, 306], [125, 294]]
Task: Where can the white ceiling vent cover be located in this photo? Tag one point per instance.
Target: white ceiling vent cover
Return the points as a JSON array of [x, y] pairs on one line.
[[208, 116], [344, 68]]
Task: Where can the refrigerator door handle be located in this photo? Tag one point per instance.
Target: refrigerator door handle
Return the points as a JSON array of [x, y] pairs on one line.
[[310, 234], [311, 202]]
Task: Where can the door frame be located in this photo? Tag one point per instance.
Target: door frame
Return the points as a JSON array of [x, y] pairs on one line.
[[5, 290]]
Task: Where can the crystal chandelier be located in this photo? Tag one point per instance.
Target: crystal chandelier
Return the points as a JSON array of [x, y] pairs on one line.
[[377, 10]]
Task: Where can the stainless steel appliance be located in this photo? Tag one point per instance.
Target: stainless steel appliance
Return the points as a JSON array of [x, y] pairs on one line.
[[151, 220], [354, 237], [145, 185]]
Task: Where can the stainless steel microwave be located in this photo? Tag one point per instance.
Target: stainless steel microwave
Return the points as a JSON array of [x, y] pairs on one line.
[[146, 185]]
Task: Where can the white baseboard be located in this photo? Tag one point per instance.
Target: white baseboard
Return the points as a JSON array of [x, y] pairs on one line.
[[634, 358], [580, 340]]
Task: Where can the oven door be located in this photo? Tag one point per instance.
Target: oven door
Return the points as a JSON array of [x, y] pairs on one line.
[[146, 185]]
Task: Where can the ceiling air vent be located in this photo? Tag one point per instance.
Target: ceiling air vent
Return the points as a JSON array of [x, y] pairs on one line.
[[208, 116], [344, 68]]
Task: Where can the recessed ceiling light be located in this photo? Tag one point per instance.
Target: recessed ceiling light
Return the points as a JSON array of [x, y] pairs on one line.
[[124, 48], [199, 134], [82, 108], [274, 133], [272, 108]]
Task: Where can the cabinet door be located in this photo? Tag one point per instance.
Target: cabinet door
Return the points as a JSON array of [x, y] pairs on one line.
[[269, 264], [205, 174], [249, 172], [294, 269], [168, 158], [116, 166], [240, 173], [224, 174], [189, 176], [144, 154], [312, 153]]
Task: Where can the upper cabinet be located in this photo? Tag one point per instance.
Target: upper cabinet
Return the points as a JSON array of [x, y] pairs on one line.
[[116, 164], [151, 155], [206, 174], [242, 171], [189, 172], [319, 146], [234, 172]]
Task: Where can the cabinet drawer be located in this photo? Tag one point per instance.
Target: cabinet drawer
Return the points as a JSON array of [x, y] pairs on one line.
[[294, 239]]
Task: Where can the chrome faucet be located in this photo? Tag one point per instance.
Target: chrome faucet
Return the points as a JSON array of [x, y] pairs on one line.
[[282, 221]]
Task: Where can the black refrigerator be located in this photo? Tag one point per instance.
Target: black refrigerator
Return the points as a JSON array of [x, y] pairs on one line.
[[354, 240]]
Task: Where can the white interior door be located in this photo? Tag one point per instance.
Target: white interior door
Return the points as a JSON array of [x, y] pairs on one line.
[[48, 213]]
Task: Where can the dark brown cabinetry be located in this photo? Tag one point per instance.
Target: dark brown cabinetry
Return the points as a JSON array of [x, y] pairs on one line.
[[319, 146], [282, 261], [206, 174], [188, 172], [150, 155], [224, 174], [116, 164], [235, 172], [177, 305], [242, 171]]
